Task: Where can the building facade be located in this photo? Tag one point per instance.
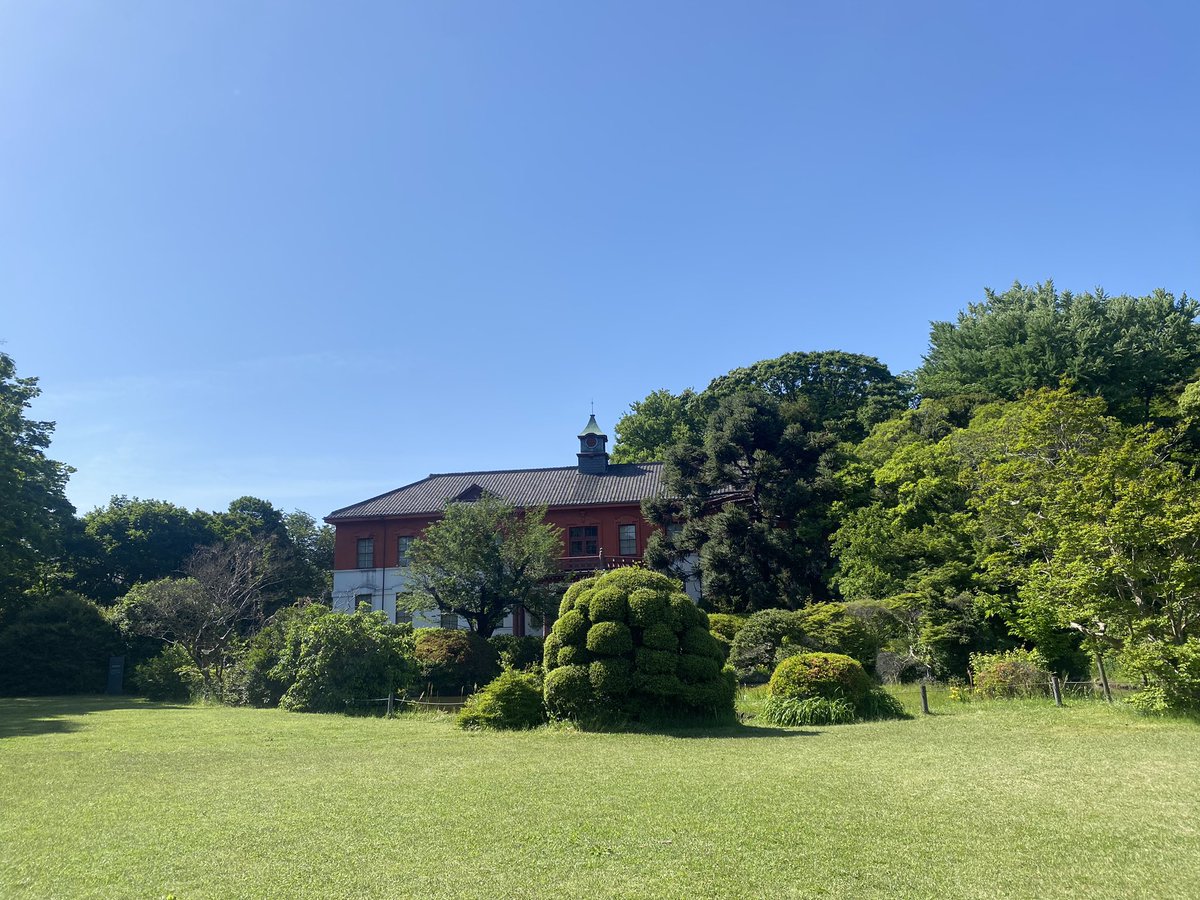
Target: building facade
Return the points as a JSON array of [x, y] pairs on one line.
[[596, 504]]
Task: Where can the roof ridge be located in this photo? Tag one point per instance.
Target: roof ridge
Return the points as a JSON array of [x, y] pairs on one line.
[[513, 471]]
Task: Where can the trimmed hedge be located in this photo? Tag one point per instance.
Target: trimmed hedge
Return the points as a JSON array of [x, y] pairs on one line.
[[629, 645]]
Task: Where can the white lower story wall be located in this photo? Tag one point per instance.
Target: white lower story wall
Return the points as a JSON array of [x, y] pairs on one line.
[[380, 587]]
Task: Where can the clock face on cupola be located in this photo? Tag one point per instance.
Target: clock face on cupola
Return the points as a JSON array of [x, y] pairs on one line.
[[592, 439]]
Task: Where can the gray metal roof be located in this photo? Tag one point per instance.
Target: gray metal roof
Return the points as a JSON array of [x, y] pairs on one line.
[[622, 483]]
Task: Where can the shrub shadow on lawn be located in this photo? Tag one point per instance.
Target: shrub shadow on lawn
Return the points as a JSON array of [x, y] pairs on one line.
[[26, 716], [739, 731]]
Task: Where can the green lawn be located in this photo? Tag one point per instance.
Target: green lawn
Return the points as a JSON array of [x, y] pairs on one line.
[[106, 799]]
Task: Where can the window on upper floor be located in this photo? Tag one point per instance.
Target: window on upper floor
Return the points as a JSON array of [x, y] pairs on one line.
[[366, 553], [583, 540], [403, 543], [628, 539]]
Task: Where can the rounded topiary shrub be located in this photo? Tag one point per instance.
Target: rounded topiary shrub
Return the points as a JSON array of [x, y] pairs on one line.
[[825, 689], [512, 701], [629, 645], [610, 639], [454, 662], [829, 675]]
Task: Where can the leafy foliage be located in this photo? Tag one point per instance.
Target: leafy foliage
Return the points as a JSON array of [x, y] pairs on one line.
[[825, 689], [657, 423], [168, 676], [1013, 673], [269, 666], [347, 658], [482, 559], [517, 653], [56, 645], [452, 661], [1134, 352], [512, 702]]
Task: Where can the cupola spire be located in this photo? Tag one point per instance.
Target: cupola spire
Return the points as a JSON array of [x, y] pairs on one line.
[[593, 457]]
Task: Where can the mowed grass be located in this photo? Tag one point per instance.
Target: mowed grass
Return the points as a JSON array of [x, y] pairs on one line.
[[104, 798]]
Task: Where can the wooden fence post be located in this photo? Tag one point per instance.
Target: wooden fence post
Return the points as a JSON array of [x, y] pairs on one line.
[[1054, 686], [391, 699], [1103, 677], [924, 699]]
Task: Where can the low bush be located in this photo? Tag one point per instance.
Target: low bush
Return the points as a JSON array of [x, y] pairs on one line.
[[1011, 674], [1173, 675], [268, 667], [829, 675], [170, 675], [825, 689], [453, 661], [513, 701], [518, 653], [345, 660], [725, 626], [58, 645], [831, 628], [752, 651]]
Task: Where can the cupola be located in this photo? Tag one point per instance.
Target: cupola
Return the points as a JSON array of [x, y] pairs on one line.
[[593, 457]]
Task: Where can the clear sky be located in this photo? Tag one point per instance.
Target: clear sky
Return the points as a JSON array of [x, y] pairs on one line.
[[311, 252]]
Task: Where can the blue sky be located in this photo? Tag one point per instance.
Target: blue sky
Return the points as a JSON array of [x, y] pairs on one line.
[[313, 252]]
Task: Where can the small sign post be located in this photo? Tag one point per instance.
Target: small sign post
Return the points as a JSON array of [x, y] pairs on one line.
[[116, 675]]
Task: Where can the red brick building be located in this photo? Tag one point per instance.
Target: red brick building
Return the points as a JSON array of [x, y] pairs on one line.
[[596, 504]]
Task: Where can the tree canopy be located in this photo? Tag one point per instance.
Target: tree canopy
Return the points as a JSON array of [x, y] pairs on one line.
[[481, 560], [1135, 352], [35, 507]]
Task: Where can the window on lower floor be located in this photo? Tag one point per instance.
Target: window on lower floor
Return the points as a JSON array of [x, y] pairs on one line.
[[448, 620], [533, 623], [583, 540], [403, 617], [366, 553], [628, 536], [363, 598], [403, 544]]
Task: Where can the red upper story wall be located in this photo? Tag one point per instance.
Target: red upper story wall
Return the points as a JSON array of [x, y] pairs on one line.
[[386, 531]]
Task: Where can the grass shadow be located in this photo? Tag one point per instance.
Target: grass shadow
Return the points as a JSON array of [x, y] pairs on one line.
[[28, 716]]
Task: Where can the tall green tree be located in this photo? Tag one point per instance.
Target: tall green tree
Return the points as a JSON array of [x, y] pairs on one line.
[[657, 423], [1094, 522], [33, 506], [753, 502], [482, 559], [1135, 352]]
